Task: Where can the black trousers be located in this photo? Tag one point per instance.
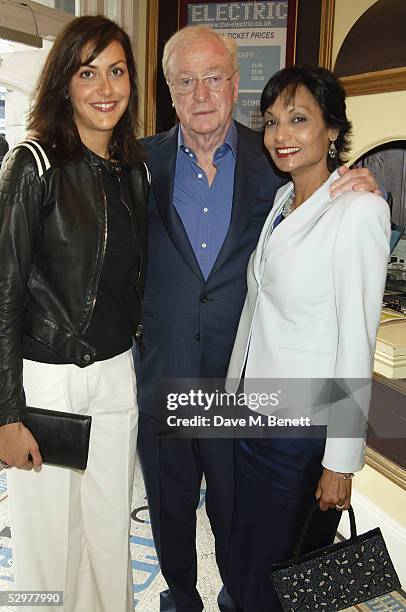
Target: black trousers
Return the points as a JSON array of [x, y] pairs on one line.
[[172, 470], [276, 480]]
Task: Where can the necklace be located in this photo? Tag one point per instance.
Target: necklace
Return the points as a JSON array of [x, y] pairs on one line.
[[288, 205]]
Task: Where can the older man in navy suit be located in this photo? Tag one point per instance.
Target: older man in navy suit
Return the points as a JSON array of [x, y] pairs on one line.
[[212, 188]]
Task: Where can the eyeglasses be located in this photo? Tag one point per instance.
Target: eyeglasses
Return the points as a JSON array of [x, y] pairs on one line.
[[213, 82]]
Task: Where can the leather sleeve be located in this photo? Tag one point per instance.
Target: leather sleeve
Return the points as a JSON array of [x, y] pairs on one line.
[[20, 200]]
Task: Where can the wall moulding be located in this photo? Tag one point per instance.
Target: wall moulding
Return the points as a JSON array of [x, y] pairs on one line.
[[387, 468], [326, 33], [151, 58], [380, 81]]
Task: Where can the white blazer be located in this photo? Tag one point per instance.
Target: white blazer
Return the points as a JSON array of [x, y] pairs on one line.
[[315, 288]]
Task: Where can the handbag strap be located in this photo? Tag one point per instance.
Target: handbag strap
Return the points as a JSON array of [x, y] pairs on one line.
[[306, 524], [39, 154]]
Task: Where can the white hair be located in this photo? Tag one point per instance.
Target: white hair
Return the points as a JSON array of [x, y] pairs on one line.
[[192, 34]]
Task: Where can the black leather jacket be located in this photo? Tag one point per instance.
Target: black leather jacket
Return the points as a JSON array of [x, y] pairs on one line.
[[53, 232]]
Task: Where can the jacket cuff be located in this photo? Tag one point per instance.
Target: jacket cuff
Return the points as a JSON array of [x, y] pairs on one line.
[[6, 419], [344, 454]]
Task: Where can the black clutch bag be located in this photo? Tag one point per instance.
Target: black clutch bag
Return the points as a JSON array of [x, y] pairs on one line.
[[338, 576], [62, 437]]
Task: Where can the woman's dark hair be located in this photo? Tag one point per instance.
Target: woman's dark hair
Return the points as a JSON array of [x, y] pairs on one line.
[[51, 118], [328, 93]]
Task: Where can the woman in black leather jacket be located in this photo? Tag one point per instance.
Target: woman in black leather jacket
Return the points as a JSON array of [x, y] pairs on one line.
[[72, 253]]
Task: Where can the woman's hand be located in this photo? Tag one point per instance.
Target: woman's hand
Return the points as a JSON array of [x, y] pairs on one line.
[[333, 491], [18, 447]]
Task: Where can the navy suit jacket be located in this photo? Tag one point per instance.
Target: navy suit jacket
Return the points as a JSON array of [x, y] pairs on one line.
[[190, 323]]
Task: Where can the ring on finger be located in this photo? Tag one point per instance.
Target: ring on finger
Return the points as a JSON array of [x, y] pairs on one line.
[[340, 507]]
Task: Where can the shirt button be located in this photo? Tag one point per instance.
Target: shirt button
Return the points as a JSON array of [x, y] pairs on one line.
[[200, 175], [86, 358], [205, 209], [197, 337], [190, 154], [204, 299], [186, 150], [204, 245]]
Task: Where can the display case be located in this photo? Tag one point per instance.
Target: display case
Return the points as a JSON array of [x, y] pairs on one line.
[[387, 426], [374, 77]]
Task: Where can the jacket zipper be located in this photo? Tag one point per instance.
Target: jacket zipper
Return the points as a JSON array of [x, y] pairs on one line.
[[140, 328], [134, 233], [103, 254]]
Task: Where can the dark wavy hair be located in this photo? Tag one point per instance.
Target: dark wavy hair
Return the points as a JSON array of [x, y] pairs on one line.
[[51, 118], [328, 93]]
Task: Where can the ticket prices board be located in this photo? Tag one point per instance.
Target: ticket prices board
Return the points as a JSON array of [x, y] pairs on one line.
[[260, 31]]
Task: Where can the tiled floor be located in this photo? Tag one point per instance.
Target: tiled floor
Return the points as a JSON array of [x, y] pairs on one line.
[[148, 581]]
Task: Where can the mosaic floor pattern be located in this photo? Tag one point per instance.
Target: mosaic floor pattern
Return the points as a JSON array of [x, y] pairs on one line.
[[148, 581]]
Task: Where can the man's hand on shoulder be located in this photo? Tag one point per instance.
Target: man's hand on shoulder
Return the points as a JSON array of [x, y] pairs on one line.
[[356, 179]]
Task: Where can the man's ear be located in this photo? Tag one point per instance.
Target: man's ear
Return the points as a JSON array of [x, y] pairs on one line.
[[235, 85]]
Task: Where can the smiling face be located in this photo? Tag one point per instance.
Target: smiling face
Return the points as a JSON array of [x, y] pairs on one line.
[[203, 112], [99, 93], [296, 135]]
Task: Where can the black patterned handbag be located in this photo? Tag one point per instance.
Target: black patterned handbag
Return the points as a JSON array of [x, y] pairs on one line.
[[338, 576]]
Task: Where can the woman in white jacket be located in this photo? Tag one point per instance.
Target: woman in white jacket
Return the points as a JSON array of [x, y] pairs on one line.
[[315, 287]]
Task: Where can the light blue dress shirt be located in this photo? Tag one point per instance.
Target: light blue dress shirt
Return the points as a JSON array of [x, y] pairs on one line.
[[205, 210]]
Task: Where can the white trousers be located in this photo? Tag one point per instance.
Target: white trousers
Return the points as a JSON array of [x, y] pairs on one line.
[[70, 529]]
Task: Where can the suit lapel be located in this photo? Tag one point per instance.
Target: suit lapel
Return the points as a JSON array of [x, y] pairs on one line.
[[162, 164], [247, 179], [267, 229], [302, 218]]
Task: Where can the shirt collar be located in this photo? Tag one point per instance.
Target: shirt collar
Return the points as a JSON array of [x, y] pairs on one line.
[[231, 140], [96, 160]]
